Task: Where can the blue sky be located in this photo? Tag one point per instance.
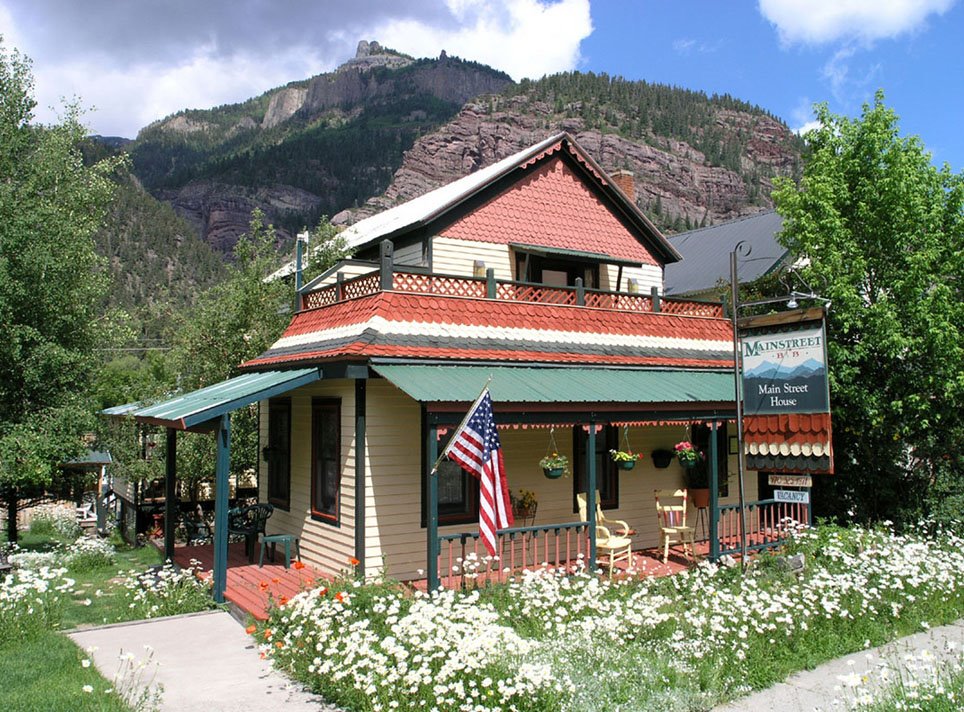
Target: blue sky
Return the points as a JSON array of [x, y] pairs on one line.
[[136, 62]]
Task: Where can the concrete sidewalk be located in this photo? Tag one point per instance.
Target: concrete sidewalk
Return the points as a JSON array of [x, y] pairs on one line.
[[818, 688], [204, 661]]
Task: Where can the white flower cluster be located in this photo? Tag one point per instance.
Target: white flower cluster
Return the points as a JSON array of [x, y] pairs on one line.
[[527, 645], [449, 650], [84, 553], [916, 680], [166, 590], [30, 600], [59, 518]]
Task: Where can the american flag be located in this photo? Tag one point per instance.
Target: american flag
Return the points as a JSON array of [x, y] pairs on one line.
[[475, 446]]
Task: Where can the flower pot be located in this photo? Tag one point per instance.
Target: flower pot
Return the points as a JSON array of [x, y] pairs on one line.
[[553, 473], [625, 464], [662, 458], [700, 498]]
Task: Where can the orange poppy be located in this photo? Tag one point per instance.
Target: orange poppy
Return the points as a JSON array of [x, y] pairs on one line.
[[340, 596], [275, 580], [298, 565], [263, 585], [279, 645], [250, 629], [283, 600], [353, 561]]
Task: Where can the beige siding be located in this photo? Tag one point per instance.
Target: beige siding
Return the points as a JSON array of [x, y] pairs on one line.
[[410, 255], [322, 544], [450, 256]]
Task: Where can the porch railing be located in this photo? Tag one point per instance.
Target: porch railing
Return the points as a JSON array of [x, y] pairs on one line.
[[463, 559], [390, 277], [767, 524]]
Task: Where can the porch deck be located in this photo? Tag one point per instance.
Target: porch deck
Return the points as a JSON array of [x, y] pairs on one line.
[[250, 587]]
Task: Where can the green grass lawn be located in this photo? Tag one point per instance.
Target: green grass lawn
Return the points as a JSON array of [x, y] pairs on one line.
[[45, 674]]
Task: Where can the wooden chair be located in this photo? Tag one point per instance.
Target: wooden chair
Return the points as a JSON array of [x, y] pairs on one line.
[[618, 526], [616, 547], [671, 506]]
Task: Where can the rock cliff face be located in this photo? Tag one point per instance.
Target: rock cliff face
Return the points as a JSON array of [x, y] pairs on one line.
[[222, 212], [384, 128], [671, 177]]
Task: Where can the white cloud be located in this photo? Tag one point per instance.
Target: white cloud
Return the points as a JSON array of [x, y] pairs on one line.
[[822, 21], [221, 54], [525, 38]]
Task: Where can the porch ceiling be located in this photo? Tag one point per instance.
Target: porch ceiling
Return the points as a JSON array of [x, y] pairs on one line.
[[205, 404], [584, 384]]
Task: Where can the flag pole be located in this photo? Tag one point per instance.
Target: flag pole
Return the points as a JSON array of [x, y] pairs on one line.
[[459, 429]]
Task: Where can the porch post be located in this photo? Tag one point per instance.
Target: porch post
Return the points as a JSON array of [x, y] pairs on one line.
[[170, 479], [714, 495], [591, 490], [360, 474], [223, 435], [431, 515]]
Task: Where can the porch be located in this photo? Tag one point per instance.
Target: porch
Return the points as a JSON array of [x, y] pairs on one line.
[[250, 587]]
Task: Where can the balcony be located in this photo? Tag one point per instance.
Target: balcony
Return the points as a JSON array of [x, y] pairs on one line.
[[416, 280]]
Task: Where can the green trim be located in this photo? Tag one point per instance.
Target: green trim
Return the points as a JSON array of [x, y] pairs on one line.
[[209, 403], [599, 257]]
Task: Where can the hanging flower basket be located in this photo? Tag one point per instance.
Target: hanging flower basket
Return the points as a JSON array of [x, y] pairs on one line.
[[625, 464], [553, 464]]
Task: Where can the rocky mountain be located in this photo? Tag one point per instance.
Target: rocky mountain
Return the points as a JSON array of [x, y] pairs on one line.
[[385, 127], [309, 148]]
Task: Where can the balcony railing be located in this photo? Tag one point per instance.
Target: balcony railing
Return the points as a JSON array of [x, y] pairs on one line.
[[416, 281], [463, 560]]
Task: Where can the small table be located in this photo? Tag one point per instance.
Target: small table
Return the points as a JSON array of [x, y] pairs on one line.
[[274, 540]]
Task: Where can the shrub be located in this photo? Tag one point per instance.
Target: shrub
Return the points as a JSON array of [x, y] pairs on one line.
[[166, 591], [54, 520], [89, 553], [30, 601]]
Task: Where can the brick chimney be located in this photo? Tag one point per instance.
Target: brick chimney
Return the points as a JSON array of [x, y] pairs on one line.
[[624, 179]]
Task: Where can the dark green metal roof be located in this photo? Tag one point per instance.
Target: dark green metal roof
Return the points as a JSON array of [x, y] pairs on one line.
[[200, 406], [583, 384]]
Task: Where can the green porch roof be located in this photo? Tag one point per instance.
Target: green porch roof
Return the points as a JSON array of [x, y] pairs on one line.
[[200, 406], [583, 384]]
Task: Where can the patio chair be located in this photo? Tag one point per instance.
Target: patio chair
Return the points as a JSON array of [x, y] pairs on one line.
[[618, 526], [615, 548], [671, 506], [196, 528], [249, 522]]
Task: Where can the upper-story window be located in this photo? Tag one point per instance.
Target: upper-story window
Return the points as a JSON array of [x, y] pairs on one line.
[[554, 272]]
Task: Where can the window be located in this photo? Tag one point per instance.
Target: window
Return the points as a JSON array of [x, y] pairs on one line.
[[458, 491], [325, 459], [607, 480], [555, 272], [278, 452]]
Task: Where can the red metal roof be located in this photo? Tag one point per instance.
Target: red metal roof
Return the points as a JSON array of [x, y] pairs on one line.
[[408, 325], [551, 207]]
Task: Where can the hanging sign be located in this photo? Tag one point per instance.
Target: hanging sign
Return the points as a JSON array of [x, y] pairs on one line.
[[792, 496], [790, 481], [785, 370]]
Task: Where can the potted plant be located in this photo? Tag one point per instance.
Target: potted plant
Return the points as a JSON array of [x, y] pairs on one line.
[[554, 465], [624, 459], [524, 504]]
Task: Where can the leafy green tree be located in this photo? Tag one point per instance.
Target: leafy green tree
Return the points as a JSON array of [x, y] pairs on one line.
[[51, 285], [231, 322], [883, 230], [326, 248]]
